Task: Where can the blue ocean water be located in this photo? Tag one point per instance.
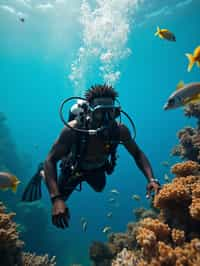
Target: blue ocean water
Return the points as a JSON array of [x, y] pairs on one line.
[[35, 64]]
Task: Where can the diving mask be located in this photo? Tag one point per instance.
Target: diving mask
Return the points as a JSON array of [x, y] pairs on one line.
[[107, 112]]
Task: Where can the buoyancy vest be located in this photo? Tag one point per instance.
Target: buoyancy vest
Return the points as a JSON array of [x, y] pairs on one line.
[[77, 153]]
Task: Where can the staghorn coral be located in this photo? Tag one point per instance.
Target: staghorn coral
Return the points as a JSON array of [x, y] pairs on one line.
[[11, 246]]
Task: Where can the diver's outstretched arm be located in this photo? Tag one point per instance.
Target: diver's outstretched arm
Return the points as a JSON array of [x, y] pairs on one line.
[[60, 149], [139, 156]]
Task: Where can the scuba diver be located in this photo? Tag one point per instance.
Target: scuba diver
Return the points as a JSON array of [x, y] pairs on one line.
[[86, 148]]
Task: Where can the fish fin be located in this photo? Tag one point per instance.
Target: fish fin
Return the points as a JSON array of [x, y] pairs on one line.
[[191, 61], [180, 85], [157, 32], [161, 36], [197, 51], [194, 99], [165, 30], [15, 179], [14, 187], [198, 63]]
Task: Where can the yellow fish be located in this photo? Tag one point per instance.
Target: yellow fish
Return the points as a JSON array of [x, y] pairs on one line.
[[165, 34], [8, 180], [194, 58]]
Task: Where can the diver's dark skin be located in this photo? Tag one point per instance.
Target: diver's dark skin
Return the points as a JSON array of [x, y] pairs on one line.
[[60, 213]]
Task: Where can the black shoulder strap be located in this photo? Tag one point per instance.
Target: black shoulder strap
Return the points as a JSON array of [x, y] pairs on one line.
[[81, 145]]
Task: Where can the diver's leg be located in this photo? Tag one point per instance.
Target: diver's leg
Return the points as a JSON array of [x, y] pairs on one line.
[[67, 184], [96, 179]]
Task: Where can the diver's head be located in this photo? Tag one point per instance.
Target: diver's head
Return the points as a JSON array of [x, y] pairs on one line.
[[101, 99]]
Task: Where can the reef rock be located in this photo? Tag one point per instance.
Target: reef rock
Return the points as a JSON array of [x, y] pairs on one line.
[[11, 253]]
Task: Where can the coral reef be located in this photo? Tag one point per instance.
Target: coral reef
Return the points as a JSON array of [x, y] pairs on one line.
[[179, 200], [11, 246], [125, 258], [30, 259], [189, 138], [173, 237], [141, 213], [101, 253], [188, 168]]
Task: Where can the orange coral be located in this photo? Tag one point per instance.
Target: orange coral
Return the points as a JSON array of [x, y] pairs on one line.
[[196, 190], [173, 238], [185, 168], [195, 209], [125, 257], [171, 194], [178, 236], [146, 238], [166, 254], [161, 230], [11, 246]]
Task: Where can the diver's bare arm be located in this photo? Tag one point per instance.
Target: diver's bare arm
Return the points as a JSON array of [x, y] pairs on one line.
[[138, 155], [59, 149]]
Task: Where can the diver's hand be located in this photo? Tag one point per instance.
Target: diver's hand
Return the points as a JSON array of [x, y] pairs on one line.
[[153, 186], [60, 214]]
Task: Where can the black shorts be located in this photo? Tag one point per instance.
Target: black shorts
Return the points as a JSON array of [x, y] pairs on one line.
[[67, 183]]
